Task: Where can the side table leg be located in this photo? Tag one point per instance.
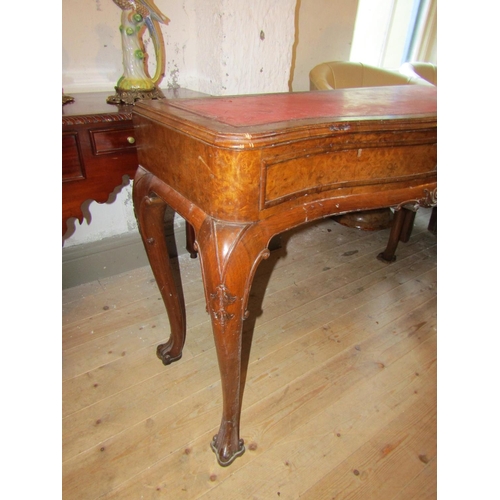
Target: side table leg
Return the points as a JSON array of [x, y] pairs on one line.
[[407, 228], [190, 239], [388, 255], [150, 211], [229, 256], [432, 227]]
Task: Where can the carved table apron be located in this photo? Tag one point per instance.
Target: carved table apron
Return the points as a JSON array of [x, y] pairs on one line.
[[243, 169]]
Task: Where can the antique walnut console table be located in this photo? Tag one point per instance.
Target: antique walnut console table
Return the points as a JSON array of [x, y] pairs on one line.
[[243, 169]]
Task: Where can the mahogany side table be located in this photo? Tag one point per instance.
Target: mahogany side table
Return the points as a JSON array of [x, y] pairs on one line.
[[98, 149], [243, 169]]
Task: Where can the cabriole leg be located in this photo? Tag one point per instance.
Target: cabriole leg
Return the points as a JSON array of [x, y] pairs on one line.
[[150, 212], [229, 256]]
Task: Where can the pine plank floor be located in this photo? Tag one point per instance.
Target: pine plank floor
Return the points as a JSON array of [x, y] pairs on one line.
[[340, 395]]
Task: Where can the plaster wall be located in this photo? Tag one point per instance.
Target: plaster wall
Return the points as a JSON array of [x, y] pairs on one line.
[[257, 46], [324, 31]]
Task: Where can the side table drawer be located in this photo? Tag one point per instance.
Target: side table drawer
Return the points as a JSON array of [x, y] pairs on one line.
[[112, 140], [72, 163]]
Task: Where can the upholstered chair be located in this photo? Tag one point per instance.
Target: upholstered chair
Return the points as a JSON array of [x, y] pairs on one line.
[[342, 75]]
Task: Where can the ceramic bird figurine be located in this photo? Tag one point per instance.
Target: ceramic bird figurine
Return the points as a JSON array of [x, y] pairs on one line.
[[136, 83]]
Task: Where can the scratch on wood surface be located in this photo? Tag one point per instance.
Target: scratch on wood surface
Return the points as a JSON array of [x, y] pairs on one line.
[[206, 165]]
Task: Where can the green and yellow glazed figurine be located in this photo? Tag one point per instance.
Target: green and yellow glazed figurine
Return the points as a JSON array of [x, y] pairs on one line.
[[136, 83]]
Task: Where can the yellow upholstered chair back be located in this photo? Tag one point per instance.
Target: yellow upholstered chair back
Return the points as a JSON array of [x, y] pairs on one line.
[[342, 74], [427, 71]]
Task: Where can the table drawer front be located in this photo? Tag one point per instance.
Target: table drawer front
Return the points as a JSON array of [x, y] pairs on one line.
[[72, 163], [112, 140], [328, 170]]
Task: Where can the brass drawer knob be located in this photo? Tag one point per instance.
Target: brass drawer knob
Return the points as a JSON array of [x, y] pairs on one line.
[[131, 140]]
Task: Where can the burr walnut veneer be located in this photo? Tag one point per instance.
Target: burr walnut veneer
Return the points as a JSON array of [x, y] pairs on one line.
[[243, 169]]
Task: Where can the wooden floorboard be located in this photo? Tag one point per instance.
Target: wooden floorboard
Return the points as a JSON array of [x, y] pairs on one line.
[[340, 395]]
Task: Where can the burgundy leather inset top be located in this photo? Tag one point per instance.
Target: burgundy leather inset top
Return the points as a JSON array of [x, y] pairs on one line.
[[361, 103]]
